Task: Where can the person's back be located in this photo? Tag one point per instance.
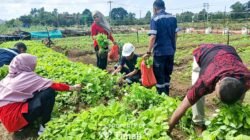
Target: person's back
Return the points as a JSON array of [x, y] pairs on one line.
[[6, 55], [165, 25], [216, 68], [162, 41], [216, 61]]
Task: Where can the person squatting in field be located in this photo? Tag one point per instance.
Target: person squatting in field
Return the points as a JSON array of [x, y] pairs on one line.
[[127, 64], [6, 55], [216, 68], [25, 96], [100, 26], [163, 28]]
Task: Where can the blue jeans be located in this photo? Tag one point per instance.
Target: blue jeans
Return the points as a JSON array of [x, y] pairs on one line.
[[163, 67]]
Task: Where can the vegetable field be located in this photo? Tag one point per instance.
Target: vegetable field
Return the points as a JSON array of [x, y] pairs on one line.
[[106, 110]]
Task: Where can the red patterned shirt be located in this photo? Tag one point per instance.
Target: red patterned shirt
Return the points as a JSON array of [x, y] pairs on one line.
[[216, 61]]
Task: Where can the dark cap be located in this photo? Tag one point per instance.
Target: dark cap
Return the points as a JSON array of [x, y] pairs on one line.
[[159, 4]]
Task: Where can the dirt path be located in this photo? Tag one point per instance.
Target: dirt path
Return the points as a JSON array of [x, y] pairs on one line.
[[28, 133]]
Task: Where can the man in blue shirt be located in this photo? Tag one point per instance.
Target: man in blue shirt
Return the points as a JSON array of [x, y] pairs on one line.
[[6, 55], [163, 27]]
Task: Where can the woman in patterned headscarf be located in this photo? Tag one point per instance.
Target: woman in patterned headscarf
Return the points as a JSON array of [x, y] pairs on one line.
[[100, 25]]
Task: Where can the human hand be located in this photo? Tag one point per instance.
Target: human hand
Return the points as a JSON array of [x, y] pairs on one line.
[[115, 43], [113, 73], [146, 56], [76, 87]]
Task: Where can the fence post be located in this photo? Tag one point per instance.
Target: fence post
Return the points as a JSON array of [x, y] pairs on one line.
[[137, 34]]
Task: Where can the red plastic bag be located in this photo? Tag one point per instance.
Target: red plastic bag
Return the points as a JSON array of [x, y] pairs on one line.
[[114, 53], [147, 75]]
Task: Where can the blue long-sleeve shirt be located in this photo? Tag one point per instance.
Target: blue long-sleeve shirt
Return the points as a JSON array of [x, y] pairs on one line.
[[164, 27], [6, 55]]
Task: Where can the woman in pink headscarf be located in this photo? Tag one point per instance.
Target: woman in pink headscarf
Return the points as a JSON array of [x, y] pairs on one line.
[[25, 96]]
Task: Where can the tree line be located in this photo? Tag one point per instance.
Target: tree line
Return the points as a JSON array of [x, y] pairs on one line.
[[120, 16], [239, 11]]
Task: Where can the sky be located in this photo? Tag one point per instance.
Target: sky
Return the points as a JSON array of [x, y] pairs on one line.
[[15, 8]]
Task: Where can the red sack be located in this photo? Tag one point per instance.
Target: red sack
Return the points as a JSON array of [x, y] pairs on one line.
[[114, 53], [147, 75]]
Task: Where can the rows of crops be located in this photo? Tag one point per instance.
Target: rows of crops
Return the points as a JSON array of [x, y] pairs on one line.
[[138, 106], [103, 110]]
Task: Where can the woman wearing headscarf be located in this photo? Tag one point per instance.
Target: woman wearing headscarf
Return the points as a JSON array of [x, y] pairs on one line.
[[100, 25], [25, 96]]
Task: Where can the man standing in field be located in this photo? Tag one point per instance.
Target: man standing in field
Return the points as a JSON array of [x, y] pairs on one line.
[[216, 68], [6, 55], [163, 42]]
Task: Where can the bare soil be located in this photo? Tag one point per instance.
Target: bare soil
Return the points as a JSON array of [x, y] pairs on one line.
[[28, 133]]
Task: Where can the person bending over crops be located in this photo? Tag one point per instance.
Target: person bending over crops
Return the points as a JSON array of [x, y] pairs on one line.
[[218, 68], [6, 55], [163, 27], [25, 96], [129, 58], [100, 26]]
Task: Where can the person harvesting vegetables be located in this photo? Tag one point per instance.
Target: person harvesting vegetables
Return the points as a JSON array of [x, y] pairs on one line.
[[25, 96], [6, 55], [216, 68], [129, 58], [163, 27], [100, 26]]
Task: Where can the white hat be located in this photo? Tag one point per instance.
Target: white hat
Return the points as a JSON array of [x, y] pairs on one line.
[[127, 49]]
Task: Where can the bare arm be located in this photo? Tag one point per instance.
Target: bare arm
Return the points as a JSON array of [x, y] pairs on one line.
[[151, 43], [179, 112], [117, 70], [131, 73]]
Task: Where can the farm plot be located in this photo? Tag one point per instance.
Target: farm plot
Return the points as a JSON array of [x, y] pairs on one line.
[[103, 110], [183, 60], [139, 99]]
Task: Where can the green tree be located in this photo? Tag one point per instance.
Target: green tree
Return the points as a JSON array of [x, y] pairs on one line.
[[185, 17], [238, 10], [13, 23], [147, 17], [56, 18], [26, 20], [86, 17], [248, 5], [202, 15], [130, 19], [118, 14]]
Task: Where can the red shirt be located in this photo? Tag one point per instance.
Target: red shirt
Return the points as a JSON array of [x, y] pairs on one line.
[[216, 62], [96, 29], [11, 115]]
